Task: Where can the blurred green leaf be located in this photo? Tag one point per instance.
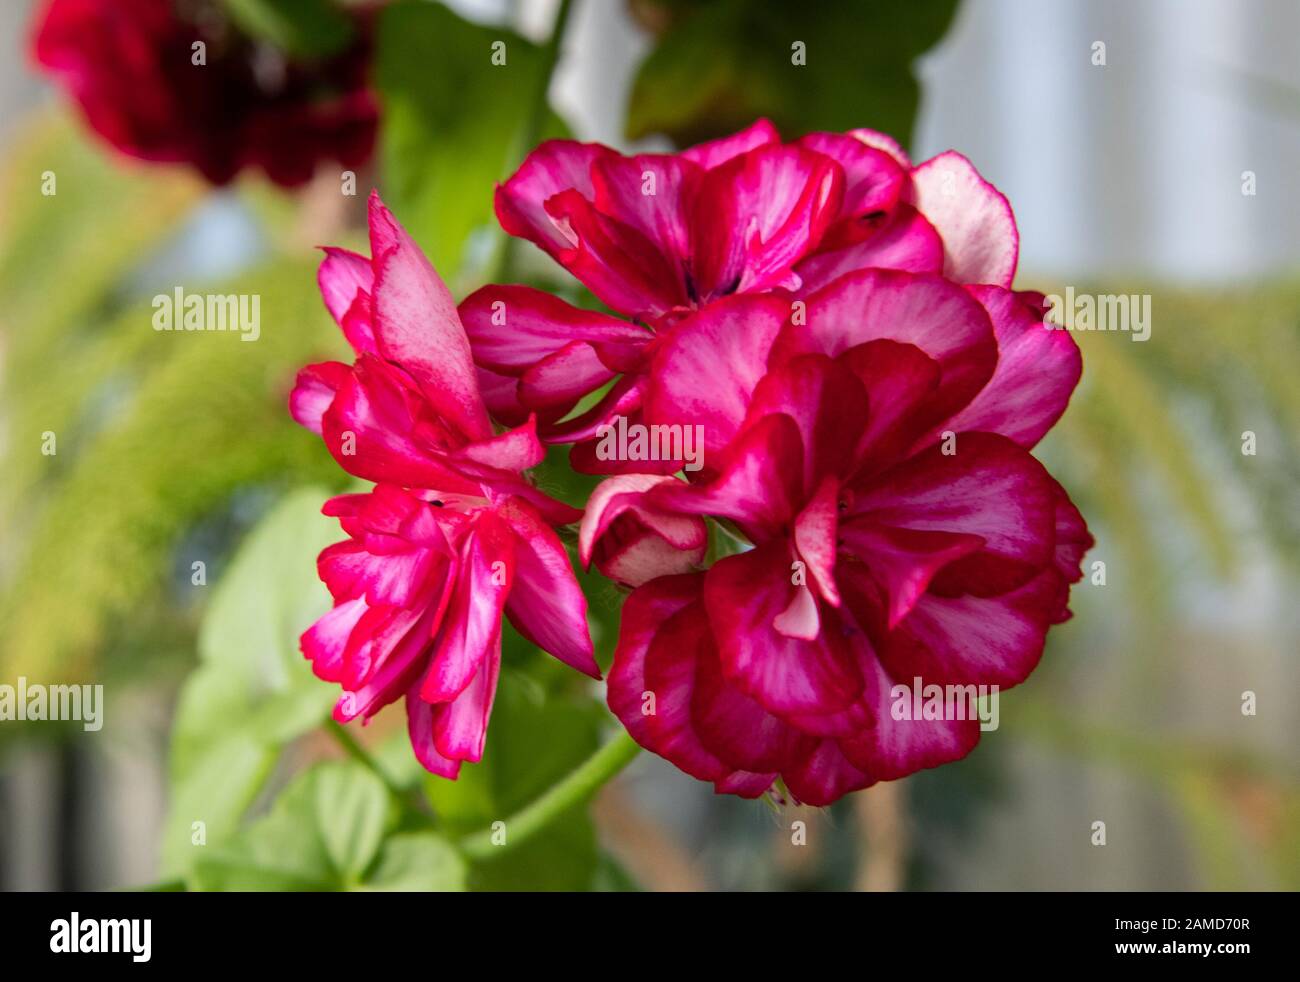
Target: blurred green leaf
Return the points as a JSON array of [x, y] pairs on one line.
[[63, 257], [253, 690], [721, 64], [327, 832], [415, 861], [305, 28], [198, 417], [323, 833], [450, 133]]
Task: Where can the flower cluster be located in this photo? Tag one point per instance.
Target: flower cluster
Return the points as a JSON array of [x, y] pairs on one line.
[[839, 328], [177, 82], [452, 536]]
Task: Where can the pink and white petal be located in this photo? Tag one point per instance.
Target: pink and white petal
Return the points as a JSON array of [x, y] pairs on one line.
[[658, 718], [546, 605], [416, 325], [906, 242], [625, 493], [989, 488], [705, 371], [617, 262], [827, 402], [472, 625], [717, 152], [903, 561], [736, 728], [419, 729], [924, 310], [460, 726], [1037, 370], [816, 538], [873, 179], [893, 747], [349, 570], [652, 193], [501, 396], [1073, 540], [554, 166], [341, 276], [885, 142], [825, 775], [359, 325], [512, 328], [745, 784], [556, 383], [901, 381], [971, 640], [325, 641], [314, 390], [394, 670], [760, 214], [514, 450], [758, 487], [744, 595], [980, 240], [369, 427]]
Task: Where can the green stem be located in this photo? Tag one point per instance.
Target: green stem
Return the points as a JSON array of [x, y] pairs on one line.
[[358, 753], [503, 255], [573, 790]]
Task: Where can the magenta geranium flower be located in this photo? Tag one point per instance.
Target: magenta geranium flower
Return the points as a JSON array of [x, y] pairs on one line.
[[131, 67], [453, 536], [876, 458], [659, 236]]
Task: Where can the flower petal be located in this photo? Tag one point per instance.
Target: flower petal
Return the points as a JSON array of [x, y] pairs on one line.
[[705, 371], [980, 240], [744, 595], [416, 325], [1037, 370], [546, 605]]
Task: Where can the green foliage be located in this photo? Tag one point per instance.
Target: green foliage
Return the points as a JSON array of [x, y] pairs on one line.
[[450, 133], [721, 64], [136, 469], [326, 832], [535, 739], [253, 691]]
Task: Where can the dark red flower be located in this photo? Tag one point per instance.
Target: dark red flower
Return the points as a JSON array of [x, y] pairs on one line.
[[134, 67]]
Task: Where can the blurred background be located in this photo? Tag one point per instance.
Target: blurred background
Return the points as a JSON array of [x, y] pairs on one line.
[[1128, 174]]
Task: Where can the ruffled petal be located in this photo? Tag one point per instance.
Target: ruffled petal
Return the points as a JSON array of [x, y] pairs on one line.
[[1037, 370], [744, 595], [416, 325], [546, 605]]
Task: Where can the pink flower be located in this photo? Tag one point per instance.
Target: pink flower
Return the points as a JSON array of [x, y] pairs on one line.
[[656, 237], [131, 67], [452, 537], [876, 458]]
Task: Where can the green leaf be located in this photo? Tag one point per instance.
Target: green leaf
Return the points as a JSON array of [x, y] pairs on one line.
[[720, 65], [306, 28], [450, 133], [253, 690], [417, 861], [352, 810]]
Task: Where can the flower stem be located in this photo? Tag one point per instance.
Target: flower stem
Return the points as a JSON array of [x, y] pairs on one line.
[[358, 753], [502, 261], [573, 790]]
